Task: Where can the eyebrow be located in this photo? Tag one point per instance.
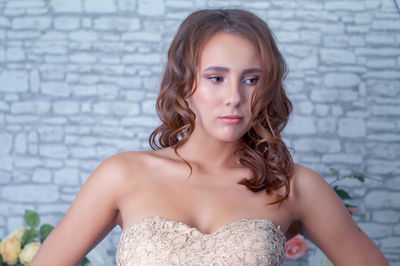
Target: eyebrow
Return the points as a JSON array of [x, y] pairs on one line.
[[224, 69]]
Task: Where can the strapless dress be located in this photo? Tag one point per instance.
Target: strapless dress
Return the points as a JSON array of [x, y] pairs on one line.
[[157, 240]]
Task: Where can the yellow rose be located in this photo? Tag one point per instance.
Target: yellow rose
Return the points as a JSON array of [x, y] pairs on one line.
[[17, 234], [29, 252], [10, 249]]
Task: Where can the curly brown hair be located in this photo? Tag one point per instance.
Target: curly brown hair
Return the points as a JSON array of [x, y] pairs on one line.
[[261, 148]]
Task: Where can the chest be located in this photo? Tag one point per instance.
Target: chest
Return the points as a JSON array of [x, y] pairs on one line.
[[198, 203]]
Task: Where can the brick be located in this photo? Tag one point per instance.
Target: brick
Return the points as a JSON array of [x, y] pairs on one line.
[[6, 141], [99, 6], [304, 107], [363, 18], [65, 107], [20, 144], [13, 81], [351, 127], [50, 134], [344, 6], [327, 28], [335, 41], [34, 23], [30, 107], [28, 162], [149, 107], [70, 6], [6, 163], [381, 166], [341, 80], [126, 5], [83, 152], [133, 95], [381, 63], [151, 8], [52, 72], [66, 176], [34, 80], [386, 216], [120, 24], [144, 121], [83, 58], [31, 193], [386, 110], [142, 59], [55, 59], [380, 124], [83, 36], [117, 108], [385, 25], [382, 199], [377, 51], [326, 125], [345, 158], [384, 74], [325, 96], [337, 110], [301, 125], [321, 109], [53, 208], [41, 175], [58, 89], [392, 242], [53, 151], [15, 54], [376, 230], [51, 48], [317, 145], [334, 56], [66, 23], [142, 36]]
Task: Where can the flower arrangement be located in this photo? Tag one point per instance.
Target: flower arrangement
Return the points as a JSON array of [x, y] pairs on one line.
[[20, 246], [297, 246]]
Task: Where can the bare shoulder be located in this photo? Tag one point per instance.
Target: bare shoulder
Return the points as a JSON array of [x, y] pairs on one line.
[[84, 224], [305, 181], [325, 220]]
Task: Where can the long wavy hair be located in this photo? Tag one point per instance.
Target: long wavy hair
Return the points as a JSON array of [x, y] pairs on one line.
[[261, 148]]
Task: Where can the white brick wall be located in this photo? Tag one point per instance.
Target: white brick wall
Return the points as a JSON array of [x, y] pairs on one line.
[[79, 79]]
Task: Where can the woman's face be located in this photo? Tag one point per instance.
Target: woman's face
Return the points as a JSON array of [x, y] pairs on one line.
[[229, 69]]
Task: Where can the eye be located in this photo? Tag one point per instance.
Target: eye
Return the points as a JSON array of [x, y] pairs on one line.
[[251, 81], [216, 79]]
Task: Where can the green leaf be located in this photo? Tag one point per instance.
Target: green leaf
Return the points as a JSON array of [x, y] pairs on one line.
[[350, 206], [343, 194], [32, 218], [334, 171], [19, 264], [30, 235], [84, 261], [45, 230], [360, 177]]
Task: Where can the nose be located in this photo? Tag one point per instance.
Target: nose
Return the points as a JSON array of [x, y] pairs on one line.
[[232, 95]]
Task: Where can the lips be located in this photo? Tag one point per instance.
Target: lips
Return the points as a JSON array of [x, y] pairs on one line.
[[231, 119]]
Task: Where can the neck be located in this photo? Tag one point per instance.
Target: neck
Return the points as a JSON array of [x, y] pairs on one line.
[[208, 154]]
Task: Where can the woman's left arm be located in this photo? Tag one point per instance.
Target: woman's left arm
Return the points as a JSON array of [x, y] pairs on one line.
[[327, 222]]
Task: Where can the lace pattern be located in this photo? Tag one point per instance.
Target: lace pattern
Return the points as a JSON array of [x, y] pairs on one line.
[[159, 241]]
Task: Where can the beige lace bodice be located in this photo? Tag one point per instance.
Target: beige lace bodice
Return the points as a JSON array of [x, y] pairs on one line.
[[156, 240]]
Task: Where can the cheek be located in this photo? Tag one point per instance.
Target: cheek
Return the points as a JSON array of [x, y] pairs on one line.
[[204, 99]]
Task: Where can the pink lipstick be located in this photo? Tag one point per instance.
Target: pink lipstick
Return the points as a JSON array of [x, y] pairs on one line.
[[231, 119]]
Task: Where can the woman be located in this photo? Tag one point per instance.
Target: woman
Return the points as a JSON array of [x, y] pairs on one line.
[[220, 186]]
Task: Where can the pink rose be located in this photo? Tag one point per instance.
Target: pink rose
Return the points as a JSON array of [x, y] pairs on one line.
[[352, 210], [296, 247]]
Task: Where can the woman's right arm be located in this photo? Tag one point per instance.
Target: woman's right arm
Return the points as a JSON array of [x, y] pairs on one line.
[[91, 216]]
